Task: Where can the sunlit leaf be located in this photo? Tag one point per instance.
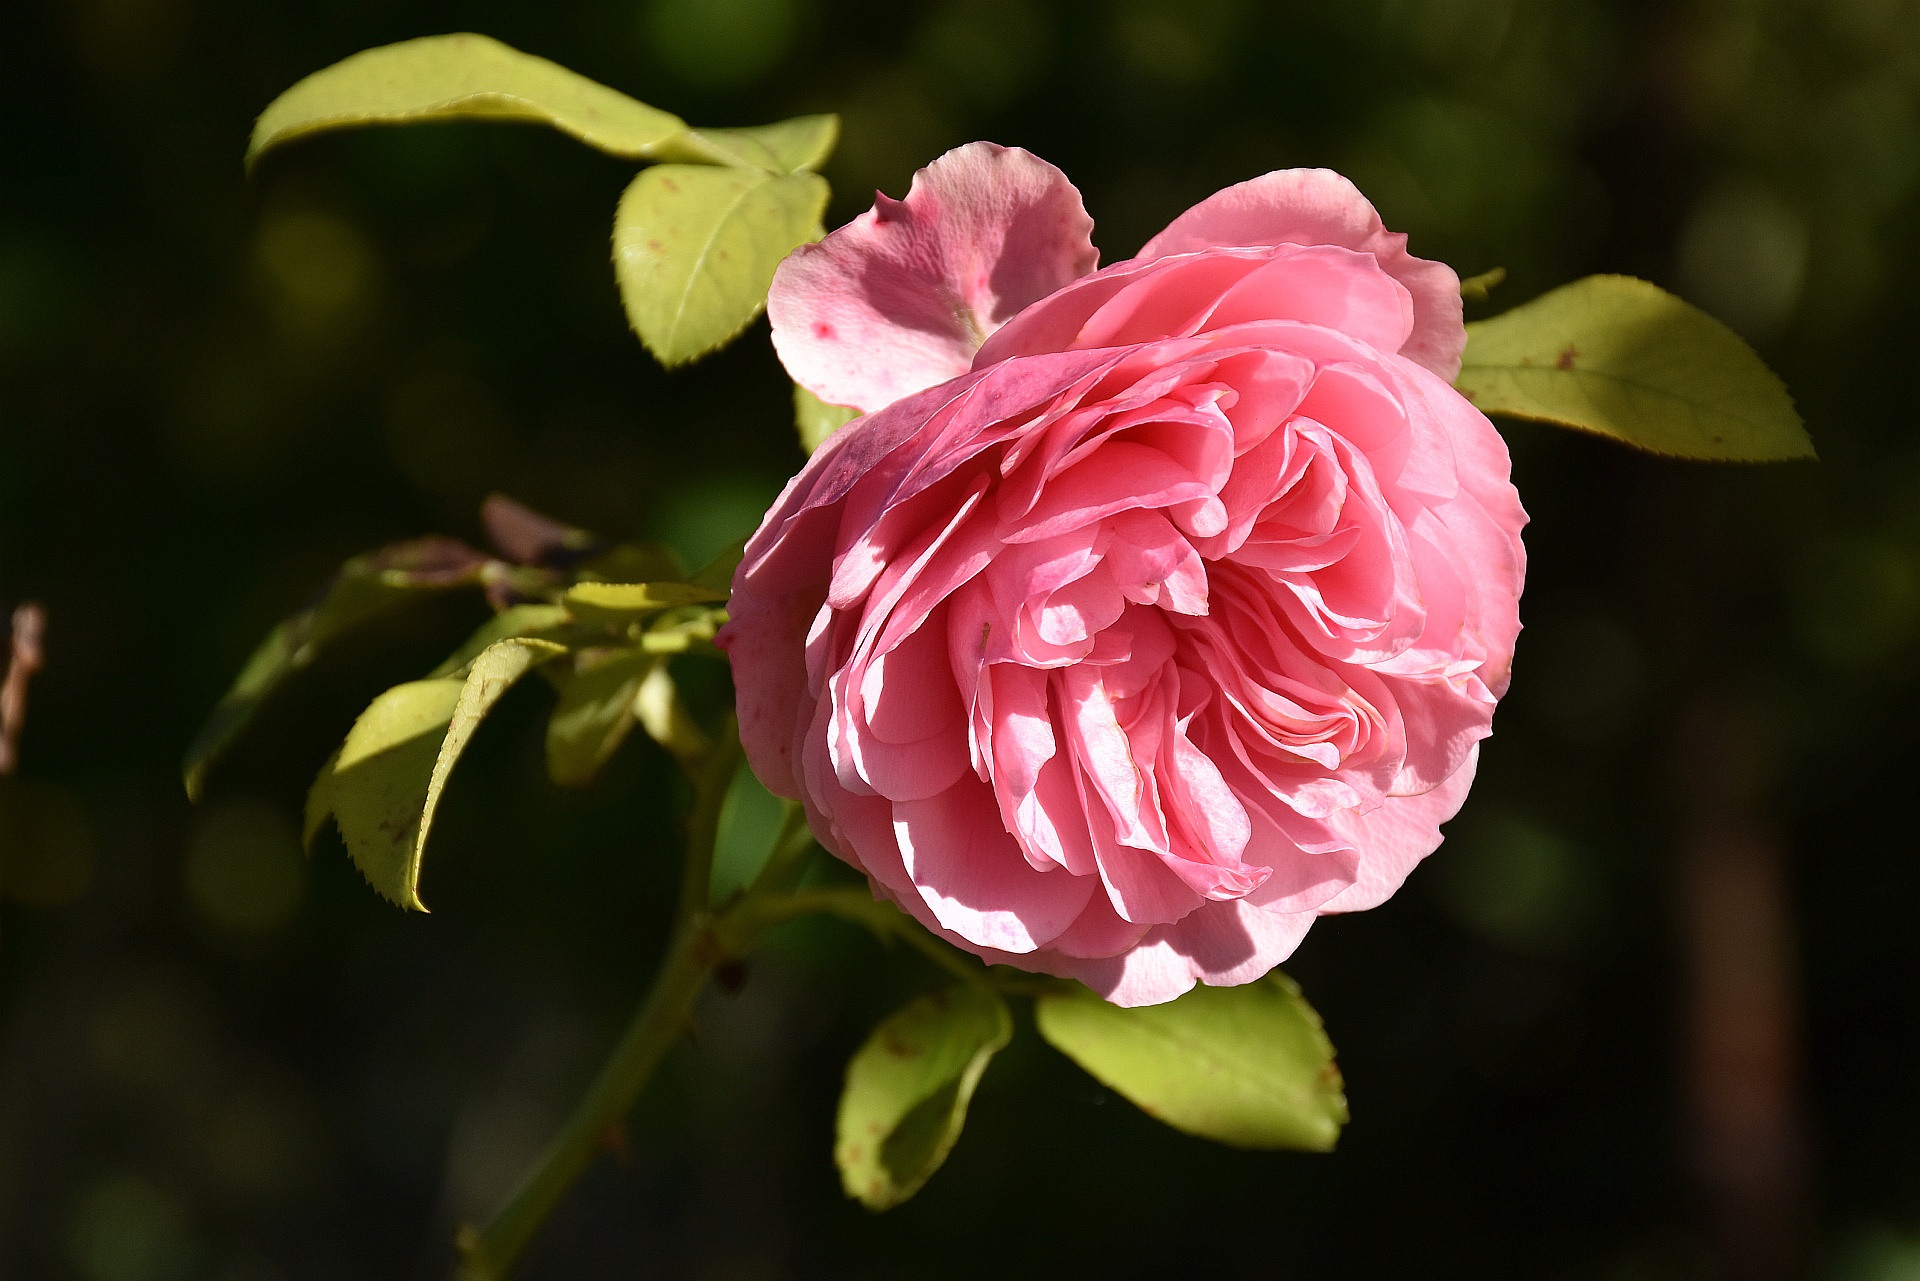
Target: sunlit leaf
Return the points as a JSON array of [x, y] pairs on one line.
[[1479, 288], [677, 631], [473, 77], [695, 247], [514, 620], [633, 600], [816, 419], [908, 1088], [594, 714], [664, 716], [1247, 1065], [1623, 358], [633, 563], [492, 675], [390, 773], [366, 587], [378, 786], [802, 143], [319, 803]]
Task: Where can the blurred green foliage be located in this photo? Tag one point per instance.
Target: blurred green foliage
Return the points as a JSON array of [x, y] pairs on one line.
[[212, 392]]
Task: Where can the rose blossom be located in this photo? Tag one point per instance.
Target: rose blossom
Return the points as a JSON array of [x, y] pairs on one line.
[[1149, 612]]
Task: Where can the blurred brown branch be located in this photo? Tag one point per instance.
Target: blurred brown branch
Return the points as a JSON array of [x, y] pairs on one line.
[[1744, 1018], [29, 630]]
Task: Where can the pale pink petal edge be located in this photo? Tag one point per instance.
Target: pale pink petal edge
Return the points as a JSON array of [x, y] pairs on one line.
[[1320, 207]]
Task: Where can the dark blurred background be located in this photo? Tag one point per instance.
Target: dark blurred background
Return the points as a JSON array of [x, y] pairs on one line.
[[1650, 1013]]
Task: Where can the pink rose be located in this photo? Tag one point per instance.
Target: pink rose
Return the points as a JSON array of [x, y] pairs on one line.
[[1149, 612]]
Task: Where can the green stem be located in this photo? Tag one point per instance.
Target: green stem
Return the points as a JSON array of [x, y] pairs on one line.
[[791, 848], [859, 906], [488, 1254], [711, 779], [701, 941]]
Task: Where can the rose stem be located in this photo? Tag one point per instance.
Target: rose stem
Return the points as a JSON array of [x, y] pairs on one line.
[[699, 944]]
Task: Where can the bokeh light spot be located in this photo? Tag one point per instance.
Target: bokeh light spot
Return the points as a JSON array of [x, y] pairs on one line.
[[46, 846], [126, 1229], [721, 44], [244, 871]]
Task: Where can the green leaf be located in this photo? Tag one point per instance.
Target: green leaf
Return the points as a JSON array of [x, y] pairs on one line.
[[695, 247], [492, 675], [594, 714], [473, 77], [908, 1088], [662, 713], [678, 631], [514, 620], [633, 563], [366, 587], [1479, 288], [606, 601], [750, 822], [1622, 358], [377, 788], [802, 143], [319, 803], [816, 419], [390, 773], [1247, 1065]]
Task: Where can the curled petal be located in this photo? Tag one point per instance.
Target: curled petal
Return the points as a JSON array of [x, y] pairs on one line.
[[900, 298]]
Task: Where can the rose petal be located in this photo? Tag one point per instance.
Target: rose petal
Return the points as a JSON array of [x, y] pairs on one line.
[[1395, 837], [1319, 207], [1221, 944], [972, 875], [900, 298]]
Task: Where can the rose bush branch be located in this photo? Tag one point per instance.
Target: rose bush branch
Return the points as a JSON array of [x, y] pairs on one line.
[[1123, 622], [703, 939]]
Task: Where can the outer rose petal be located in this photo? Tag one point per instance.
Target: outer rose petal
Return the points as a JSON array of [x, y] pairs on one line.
[[899, 299], [1319, 207], [1221, 944], [1395, 837]]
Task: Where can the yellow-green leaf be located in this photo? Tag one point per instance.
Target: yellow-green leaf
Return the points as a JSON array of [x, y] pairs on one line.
[[816, 419], [695, 247], [319, 803], [802, 143], [1625, 359], [633, 563], [473, 77], [365, 588], [596, 600], [377, 788], [908, 1088], [492, 675], [1247, 1065], [514, 620], [594, 714], [388, 776], [662, 713]]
